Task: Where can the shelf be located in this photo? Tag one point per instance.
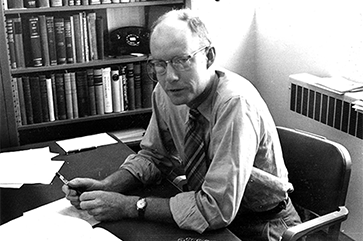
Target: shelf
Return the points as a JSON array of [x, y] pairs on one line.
[[84, 119], [90, 64], [91, 7]]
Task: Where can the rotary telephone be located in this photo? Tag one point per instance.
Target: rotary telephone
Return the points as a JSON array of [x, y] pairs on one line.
[[127, 40]]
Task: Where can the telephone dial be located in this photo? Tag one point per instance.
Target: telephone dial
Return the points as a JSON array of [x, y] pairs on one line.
[[127, 40]]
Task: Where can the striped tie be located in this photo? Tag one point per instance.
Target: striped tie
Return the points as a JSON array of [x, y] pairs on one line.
[[196, 160]]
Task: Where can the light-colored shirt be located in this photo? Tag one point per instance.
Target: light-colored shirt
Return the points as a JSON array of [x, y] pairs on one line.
[[247, 170]]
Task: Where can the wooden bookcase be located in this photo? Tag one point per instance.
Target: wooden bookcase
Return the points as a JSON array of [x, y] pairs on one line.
[[115, 15]]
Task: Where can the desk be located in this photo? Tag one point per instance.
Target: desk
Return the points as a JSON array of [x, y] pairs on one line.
[[98, 164]]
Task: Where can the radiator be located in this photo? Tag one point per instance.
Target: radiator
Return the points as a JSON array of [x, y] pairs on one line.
[[324, 106]]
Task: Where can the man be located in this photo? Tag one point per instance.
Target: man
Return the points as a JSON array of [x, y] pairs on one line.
[[238, 178]]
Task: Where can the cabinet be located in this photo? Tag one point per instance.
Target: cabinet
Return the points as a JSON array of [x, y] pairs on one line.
[[113, 15]]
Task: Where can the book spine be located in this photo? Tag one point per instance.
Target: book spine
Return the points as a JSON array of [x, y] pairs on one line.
[[81, 82], [91, 92], [78, 38], [11, 43], [44, 40], [100, 106], [48, 82], [51, 40], [15, 4], [44, 98], [107, 89], [61, 102], [73, 35], [56, 3], [91, 19], [100, 38], [147, 86], [54, 90], [19, 43], [130, 86], [124, 87], [137, 82], [68, 95], [68, 41], [35, 42], [36, 99], [16, 106], [30, 3], [28, 100], [21, 101], [115, 80], [74, 94], [60, 40], [85, 37], [43, 3]]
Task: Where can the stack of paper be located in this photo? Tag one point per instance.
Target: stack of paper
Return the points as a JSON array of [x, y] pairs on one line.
[[27, 167], [339, 85]]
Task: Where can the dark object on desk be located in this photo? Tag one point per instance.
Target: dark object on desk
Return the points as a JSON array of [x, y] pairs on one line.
[[320, 170], [129, 40]]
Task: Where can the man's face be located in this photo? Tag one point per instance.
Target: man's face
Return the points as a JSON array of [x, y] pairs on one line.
[[174, 39]]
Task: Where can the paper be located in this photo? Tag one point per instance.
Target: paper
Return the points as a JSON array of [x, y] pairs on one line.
[[27, 167], [129, 135], [86, 142], [339, 85]]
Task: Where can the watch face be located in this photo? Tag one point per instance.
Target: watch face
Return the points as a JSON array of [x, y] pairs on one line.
[[141, 203]]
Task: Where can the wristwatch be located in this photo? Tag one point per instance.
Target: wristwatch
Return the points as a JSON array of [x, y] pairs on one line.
[[141, 206]]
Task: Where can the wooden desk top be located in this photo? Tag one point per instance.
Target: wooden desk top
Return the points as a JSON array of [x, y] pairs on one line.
[[99, 163]]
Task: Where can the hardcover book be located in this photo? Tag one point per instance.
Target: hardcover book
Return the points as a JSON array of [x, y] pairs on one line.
[[28, 100], [54, 90], [82, 93], [61, 99], [91, 20], [50, 99], [11, 43], [107, 89], [137, 83], [130, 86], [124, 87], [44, 98], [116, 96], [36, 99], [19, 43], [68, 95], [78, 29], [51, 40], [15, 4], [44, 40], [60, 40], [74, 94], [100, 39], [68, 40], [98, 82], [21, 101], [91, 92]]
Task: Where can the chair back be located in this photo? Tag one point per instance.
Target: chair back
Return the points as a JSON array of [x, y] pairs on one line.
[[319, 170]]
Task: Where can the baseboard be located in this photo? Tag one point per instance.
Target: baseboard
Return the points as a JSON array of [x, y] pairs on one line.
[[344, 237]]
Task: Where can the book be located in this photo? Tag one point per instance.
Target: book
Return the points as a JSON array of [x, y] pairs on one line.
[[30, 3], [60, 93], [82, 93], [130, 86], [92, 36], [137, 84], [43, 3], [11, 43], [50, 99], [44, 98], [36, 99], [35, 42], [85, 37], [91, 92], [100, 38], [68, 95], [56, 3], [16, 106], [51, 40], [116, 96], [44, 40], [98, 83], [21, 101], [78, 29], [74, 52], [124, 87], [28, 100], [74, 94], [68, 41], [54, 90], [15, 4], [107, 89], [19, 43], [147, 86], [60, 40]]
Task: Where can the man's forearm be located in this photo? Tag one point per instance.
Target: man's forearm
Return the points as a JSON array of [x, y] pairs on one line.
[[120, 181]]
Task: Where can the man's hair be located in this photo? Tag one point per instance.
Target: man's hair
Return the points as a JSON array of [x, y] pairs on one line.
[[196, 25]]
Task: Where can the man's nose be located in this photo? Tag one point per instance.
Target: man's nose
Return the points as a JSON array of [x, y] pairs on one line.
[[171, 74]]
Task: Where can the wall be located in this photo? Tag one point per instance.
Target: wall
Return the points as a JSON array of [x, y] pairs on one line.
[[324, 38], [266, 41]]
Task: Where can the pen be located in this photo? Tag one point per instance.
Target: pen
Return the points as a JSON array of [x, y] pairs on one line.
[[82, 150], [65, 181]]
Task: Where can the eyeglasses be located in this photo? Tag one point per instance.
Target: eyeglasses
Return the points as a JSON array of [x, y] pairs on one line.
[[158, 66]]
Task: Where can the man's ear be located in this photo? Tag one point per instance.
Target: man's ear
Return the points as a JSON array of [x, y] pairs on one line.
[[211, 55]]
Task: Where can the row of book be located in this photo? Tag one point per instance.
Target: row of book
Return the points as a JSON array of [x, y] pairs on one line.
[[14, 4], [45, 40], [87, 92]]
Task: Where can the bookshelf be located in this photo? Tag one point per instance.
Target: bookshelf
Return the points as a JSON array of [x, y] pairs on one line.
[[19, 129]]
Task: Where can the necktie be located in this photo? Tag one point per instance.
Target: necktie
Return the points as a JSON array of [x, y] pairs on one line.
[[194, 148]]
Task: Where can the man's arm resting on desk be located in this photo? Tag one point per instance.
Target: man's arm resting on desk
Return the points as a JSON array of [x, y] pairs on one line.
[[103, 199]]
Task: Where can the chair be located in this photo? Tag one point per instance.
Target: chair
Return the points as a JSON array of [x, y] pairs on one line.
[[320, 170]]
